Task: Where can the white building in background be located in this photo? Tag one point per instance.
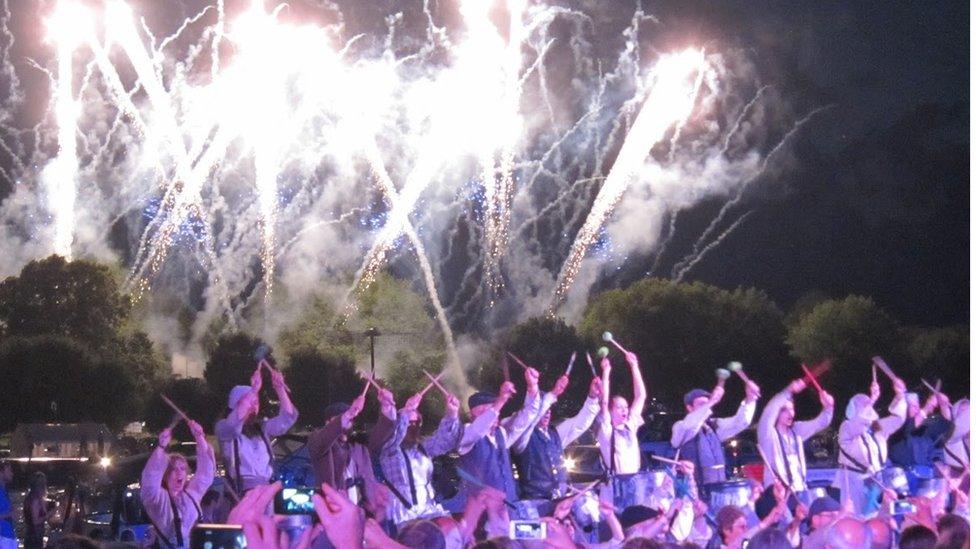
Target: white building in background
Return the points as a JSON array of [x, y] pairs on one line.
[[185, 365]]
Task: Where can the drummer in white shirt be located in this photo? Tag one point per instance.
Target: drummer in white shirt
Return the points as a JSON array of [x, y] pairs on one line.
[[863, 440], [618, 424]]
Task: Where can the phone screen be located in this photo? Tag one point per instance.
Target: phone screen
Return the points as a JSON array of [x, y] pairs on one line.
[[217, 536], [294, 501], [527, 529], [902, 507]]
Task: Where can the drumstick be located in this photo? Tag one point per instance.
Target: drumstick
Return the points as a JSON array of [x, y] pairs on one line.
[[666, 460], [366, 388], [430, 384], [762, 455], [874, 374], [812, 379], [721, 374], [437, 383], [589, 360], [608, 337], [518, 361], [466, 476], [569, 367], [736, 366], [883, 366], [930, 387], [264, 363], [175, 408]]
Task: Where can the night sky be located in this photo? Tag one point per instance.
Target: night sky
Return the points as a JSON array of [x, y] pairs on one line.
[[877, 200], [875, 194]]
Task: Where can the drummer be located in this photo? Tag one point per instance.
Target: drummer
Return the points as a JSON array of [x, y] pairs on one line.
[[957, 448], [863, 440], [698, 437], [781, 437], [538, 455], [914, 446], [619, 421]]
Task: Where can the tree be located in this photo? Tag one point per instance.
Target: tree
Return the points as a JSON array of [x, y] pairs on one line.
[[546, 344], [848, 331], [193, 396], [941, 353], [55, 378], [78, 299], [683, 332], [231, 362], [317, 380], [326, 348]]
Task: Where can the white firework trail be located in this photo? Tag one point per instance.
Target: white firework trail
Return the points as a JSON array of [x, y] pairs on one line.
[[734, 201], [686, 266], [227, 137], [670, 101]]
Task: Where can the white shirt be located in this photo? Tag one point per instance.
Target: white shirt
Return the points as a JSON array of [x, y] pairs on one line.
[[627, 457]]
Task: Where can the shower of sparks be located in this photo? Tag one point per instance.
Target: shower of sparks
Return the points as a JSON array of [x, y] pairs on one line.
[[676, 79], [241, 129]]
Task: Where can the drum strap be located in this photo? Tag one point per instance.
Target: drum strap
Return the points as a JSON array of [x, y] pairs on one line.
[[613, 451], [868, 440], [954, 456], [857, 465], [786, 461], [413, 488]]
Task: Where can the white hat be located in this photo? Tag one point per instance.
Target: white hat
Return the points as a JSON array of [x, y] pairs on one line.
[[236, 394], [857, 403]]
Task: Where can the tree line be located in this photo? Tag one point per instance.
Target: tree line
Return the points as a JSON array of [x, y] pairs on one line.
[[71, 348]]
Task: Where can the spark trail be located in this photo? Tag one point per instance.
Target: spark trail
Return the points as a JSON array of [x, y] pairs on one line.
[[670, 101]]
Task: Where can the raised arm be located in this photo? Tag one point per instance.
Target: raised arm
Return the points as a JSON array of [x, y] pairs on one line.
[[640, 391], [152, 493], [605, 368], [547, 401], [481, 425], [476, 430], [570, 429], [683, 430], [287, 413], [206, 466], [448, 433], [806, 429], [321, 440], [516, 425], [728, 427], [386, 422], [766, 429], [897, 410]]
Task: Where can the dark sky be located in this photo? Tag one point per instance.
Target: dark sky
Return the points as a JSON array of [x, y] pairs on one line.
[[877, 202]]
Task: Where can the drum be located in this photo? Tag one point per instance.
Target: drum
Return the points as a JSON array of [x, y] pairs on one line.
[[586, 510], [923, 481], [893, 478], [638, 488], [731, 492]]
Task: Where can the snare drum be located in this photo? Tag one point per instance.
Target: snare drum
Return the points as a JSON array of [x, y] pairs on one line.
[[638, 488], [732, 492]]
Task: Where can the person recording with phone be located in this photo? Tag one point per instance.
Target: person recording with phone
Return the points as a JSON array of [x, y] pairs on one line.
[[169, 495]]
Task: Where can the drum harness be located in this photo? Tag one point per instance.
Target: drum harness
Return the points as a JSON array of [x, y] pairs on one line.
[[177, 521], [238, 482]]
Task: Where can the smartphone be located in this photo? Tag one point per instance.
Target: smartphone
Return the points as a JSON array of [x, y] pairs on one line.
[[294, 501], [901, 507], [527, 529], [217, 536]]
